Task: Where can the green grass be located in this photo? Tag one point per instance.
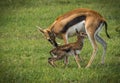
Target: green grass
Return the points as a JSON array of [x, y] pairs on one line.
[[24, 51]]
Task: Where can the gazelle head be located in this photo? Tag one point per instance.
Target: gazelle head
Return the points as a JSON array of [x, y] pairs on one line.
[[49, 35]]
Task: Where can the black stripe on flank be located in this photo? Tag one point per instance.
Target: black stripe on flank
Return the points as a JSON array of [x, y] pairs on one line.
[[73, 22]]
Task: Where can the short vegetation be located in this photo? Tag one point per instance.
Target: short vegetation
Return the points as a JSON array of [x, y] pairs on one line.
[[24, 51]]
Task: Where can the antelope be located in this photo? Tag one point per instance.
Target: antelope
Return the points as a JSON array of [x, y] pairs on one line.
[[74, 49], [82, 19]]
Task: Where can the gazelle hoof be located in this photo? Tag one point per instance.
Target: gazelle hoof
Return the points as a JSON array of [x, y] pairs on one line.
[[87, 66], [79, 67]]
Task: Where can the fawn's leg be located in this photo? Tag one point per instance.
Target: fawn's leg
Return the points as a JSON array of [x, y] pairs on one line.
[[66, 60], [77, 60], [51, 61]]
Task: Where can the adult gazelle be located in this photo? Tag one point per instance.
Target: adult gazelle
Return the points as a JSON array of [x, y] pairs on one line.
[[84, 20]]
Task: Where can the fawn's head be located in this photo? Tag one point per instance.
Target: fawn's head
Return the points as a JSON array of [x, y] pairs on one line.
[[80, 35]]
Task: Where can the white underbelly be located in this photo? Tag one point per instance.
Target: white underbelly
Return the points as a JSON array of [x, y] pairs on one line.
[[73, 53], [79, 26]]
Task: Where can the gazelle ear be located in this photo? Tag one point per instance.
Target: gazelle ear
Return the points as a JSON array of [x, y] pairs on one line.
[[40, 29]]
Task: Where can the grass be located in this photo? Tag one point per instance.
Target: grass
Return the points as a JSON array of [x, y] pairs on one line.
[[24, 51]]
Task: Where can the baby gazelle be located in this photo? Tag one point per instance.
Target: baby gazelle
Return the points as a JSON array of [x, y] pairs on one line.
[[66, 50]]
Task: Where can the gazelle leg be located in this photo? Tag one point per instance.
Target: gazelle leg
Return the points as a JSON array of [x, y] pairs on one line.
[[94, 45], [104, 45], [65, 38], [77, 60]]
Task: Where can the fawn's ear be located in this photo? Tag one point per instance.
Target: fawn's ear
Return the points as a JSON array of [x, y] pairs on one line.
[[83, 34], [76, 31]]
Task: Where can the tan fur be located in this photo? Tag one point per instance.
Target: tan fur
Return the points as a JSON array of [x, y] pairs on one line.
[[92, 22], [63, 19]]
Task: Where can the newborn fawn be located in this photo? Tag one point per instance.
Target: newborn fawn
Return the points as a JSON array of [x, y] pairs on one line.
[[74, 49]]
